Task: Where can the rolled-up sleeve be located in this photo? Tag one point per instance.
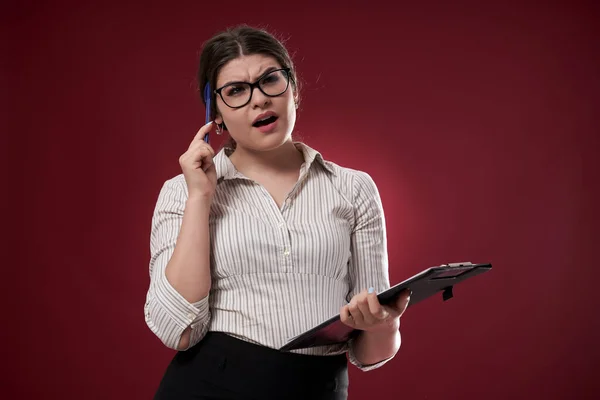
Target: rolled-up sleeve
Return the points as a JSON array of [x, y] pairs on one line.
[[167, 312], [368, 265]]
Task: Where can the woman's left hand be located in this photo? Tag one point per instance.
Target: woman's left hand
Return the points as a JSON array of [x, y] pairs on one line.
[[364, 312]]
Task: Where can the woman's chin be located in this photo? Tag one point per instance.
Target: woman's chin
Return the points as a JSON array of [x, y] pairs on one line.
[[268, 141]]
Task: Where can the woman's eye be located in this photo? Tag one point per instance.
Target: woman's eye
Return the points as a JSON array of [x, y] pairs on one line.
[[235, 90], [272, 78]]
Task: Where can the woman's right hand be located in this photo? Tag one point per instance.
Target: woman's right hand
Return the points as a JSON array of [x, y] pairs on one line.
[[197, 166]]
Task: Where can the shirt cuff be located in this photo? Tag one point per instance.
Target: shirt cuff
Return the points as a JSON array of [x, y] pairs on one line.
[[179, 310], [363, 367]]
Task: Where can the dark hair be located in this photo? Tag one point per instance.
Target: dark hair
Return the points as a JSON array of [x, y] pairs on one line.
[[232, 43]]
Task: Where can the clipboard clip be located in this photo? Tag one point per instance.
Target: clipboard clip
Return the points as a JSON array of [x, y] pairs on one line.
[[458, 264], [448, 294]]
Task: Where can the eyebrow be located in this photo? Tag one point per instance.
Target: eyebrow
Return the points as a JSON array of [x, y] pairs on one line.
[[260, 75]]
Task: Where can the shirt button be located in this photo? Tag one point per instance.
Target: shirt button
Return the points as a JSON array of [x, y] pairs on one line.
[[190, 317], [286, 252]]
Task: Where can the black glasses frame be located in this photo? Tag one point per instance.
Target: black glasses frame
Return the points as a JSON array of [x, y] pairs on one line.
[[256, 84]]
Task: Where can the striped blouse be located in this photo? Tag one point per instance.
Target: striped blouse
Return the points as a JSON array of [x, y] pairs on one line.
[[276, 272]]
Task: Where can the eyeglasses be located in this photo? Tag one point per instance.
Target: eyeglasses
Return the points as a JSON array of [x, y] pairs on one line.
[[272, 84]]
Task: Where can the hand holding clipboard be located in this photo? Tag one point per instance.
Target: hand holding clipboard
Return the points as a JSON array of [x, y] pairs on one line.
[[440, 279]]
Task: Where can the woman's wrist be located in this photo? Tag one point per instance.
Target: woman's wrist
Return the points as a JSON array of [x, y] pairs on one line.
[[199, 201]]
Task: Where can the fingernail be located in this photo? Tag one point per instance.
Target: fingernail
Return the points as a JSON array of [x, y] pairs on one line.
[[371, 290]]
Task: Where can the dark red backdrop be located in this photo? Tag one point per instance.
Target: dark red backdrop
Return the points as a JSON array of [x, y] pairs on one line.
[[477, 122]]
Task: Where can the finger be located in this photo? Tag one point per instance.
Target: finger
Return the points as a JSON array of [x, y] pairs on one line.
[[197, 146], [355, 313], [203, 131], [363, 306], [197, 153], [199, 158], [345, 316], [206, 161], [403, 301], [376, 309], [210, 167], [206, 164]]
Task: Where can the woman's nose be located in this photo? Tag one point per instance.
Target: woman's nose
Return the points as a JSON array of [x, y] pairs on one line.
[[259, 99]]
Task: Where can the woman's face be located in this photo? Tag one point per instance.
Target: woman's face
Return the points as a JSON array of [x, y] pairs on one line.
[[243, 123]]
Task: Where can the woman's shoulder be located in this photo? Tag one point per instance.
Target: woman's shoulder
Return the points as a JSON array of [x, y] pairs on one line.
[[174, 185], [353, 179], [175, 181], [359, 182], [312, 154], [348, 172]]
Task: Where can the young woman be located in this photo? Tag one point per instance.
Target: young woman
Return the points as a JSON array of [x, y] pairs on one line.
[[262, 241]]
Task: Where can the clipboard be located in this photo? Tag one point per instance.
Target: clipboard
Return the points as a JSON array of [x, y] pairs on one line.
[[425, 284]]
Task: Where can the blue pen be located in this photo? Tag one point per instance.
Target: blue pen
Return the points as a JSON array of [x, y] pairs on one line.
[[207, 96]]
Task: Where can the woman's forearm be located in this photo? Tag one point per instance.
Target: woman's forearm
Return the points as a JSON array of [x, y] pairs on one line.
[[188, 270], [371, 347]]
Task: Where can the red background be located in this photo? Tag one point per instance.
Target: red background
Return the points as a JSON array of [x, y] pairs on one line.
[[478, 122]]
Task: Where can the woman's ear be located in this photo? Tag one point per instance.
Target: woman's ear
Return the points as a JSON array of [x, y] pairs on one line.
[[220, 124]]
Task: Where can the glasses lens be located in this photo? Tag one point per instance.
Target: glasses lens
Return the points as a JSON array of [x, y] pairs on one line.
[[274, 83], [236, 95]]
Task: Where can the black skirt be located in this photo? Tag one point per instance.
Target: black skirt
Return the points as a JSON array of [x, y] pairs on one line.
[[223, 367]]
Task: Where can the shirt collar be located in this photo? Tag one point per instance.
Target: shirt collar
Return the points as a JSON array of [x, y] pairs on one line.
[[226, 169], [311, 155]]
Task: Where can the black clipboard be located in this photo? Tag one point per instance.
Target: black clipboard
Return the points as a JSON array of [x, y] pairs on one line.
[[423, 285]]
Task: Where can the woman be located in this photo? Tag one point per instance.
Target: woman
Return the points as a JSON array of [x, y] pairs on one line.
[[262, 241]]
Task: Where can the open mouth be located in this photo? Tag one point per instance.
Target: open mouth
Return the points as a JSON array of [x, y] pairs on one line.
[[265, 121]]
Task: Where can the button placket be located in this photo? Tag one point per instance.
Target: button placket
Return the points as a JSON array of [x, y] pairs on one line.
[[286, 251], [190, 319]]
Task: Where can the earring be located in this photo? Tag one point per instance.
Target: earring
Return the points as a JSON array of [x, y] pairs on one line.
[[219, 130]]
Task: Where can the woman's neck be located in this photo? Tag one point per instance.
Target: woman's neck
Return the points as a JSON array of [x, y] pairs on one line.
[[285, 159]]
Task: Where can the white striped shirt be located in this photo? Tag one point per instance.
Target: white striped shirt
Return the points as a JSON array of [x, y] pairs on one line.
[[276, 272]]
